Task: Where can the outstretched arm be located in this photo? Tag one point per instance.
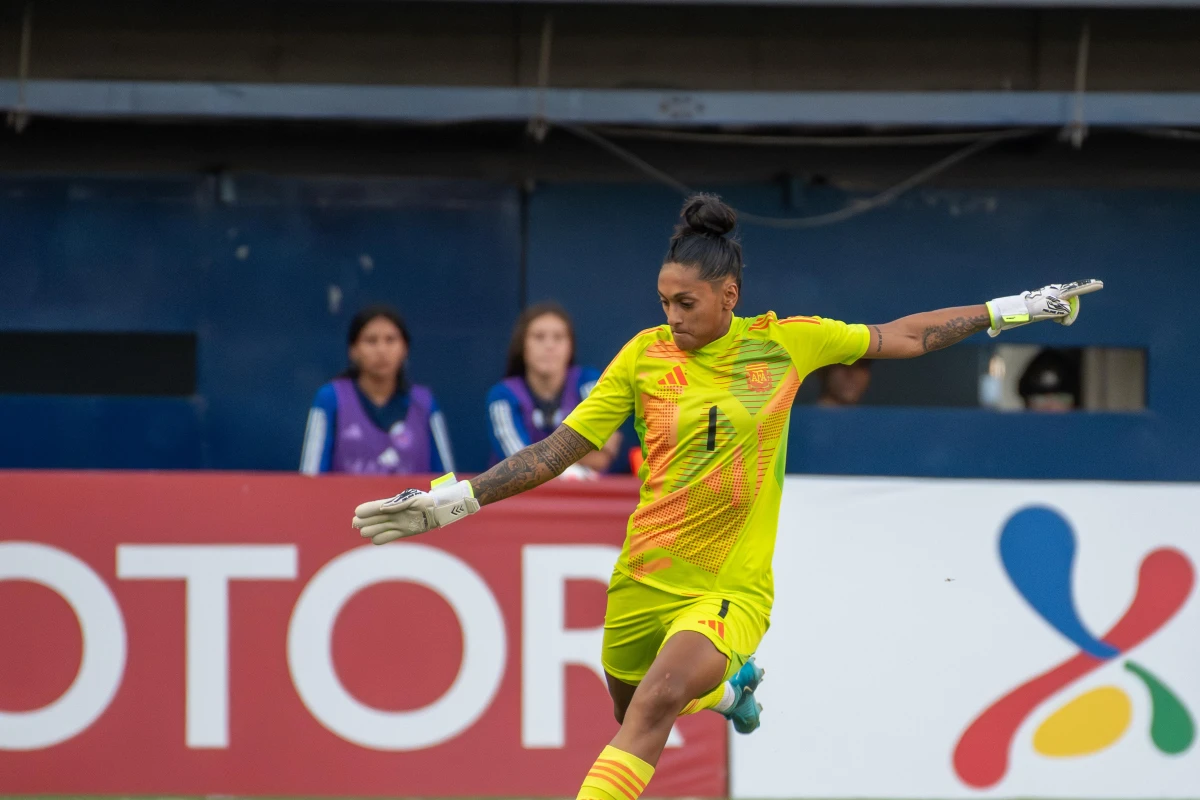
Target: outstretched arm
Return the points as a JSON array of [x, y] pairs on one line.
[[532, 466], [447, 501], [918, 334]]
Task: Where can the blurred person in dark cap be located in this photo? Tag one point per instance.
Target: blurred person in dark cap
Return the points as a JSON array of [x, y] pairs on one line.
[[1051, 382], [844, 384]]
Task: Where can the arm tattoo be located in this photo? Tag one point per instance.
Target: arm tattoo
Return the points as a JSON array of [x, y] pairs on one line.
[[952, 331], [532, 466], [879, 333]]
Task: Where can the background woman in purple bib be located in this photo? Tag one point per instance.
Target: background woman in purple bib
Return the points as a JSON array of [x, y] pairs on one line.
[[542, 386], [369, 420]]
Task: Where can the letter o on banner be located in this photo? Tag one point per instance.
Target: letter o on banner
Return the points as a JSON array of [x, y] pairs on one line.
[[310, 654], [103, 663]]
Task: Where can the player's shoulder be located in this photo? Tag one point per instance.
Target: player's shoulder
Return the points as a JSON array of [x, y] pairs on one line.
[[645, 339], [650, 335], [772, 322]]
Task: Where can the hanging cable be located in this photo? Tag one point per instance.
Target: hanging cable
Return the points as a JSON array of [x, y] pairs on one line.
[[629, 158], [852, 210]]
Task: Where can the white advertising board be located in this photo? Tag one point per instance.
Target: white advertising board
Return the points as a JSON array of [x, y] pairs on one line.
[[945, 639]]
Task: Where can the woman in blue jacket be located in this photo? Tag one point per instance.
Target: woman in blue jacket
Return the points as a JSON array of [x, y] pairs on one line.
[[370, 420], [542, 385]]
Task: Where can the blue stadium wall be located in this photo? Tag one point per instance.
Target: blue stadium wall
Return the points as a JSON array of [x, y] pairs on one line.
[[267, 273], [250, 268]]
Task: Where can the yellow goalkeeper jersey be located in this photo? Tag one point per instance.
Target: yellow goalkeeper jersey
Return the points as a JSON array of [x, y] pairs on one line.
[[713, 425]]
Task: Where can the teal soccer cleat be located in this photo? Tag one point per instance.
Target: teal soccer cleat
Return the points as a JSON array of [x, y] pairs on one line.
[[746, 710]]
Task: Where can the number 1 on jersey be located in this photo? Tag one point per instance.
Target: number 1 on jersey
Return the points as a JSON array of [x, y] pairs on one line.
[[712, 429]]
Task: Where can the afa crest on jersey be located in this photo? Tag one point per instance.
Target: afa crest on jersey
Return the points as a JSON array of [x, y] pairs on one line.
[[758, 377]]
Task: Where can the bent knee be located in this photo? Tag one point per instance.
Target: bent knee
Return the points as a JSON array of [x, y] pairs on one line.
[[662, 699]]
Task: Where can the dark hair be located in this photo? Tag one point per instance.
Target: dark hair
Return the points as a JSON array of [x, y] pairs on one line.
[[701, 239], [516, 345], [363, 318]]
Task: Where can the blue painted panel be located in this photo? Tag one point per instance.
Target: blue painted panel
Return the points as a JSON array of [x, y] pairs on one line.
[[598, 248], [962, 443], [251, 271], [111, 255], [446, 255], [108, 432], [250, 267]]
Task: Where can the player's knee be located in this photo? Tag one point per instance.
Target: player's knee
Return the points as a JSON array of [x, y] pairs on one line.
[[658, 701]]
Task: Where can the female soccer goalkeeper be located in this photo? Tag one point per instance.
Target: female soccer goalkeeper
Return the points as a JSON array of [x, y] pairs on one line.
[[691, 594]]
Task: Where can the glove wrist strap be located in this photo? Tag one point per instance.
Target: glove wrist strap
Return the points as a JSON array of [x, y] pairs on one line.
[[447, 489], [452, 500], [1008, 312]]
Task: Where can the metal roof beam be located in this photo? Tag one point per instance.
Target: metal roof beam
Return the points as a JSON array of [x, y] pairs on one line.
[[424, 104]]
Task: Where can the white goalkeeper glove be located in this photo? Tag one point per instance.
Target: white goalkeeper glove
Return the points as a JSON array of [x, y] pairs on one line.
[[1058, 301], [413, 511]]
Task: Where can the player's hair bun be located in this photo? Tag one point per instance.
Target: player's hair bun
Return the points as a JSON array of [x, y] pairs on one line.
[[702, 239], [705, 214]]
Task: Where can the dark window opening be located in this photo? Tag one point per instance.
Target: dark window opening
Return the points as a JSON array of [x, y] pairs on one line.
[[84, 363]]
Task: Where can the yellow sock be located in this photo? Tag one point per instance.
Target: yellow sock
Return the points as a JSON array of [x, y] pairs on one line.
[[616, 775], [720, 698]]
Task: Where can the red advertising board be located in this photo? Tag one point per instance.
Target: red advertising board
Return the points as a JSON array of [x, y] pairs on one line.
[[230, 634]]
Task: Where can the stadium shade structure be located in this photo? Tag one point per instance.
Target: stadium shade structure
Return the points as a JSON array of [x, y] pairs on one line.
[[424, 104]]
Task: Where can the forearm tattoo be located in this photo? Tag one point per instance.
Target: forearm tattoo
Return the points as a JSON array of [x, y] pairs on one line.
[[935, 337], [879, 344], [532, 466]]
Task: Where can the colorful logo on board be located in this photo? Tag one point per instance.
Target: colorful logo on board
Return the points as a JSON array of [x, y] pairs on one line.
[[1037, 547]]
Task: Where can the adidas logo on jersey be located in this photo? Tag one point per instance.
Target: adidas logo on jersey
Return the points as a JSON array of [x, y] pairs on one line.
[[674, 378]]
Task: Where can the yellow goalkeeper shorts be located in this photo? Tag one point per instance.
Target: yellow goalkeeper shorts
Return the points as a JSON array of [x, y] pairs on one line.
[[639, 619]]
